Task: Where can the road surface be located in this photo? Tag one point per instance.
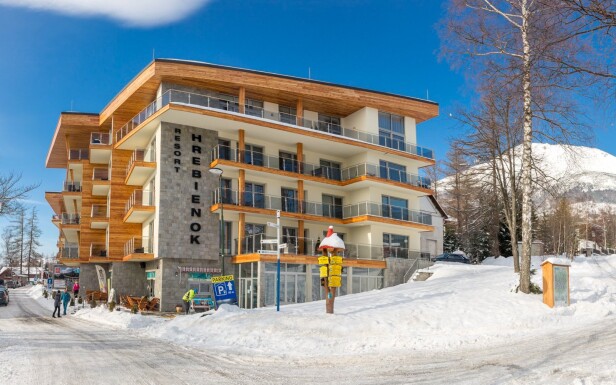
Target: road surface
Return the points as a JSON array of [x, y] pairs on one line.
[[38, 349]]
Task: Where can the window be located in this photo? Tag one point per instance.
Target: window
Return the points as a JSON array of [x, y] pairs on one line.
[[252, 237], [367, 279], [395, 246], [329, 170], [287, 161], [392, 171], [253, 155], [227, 193], [329, 124], [254, 195], [224, 149], [289, 200], [396, 208], [391, 131], [332, 206], [288, 114], [254, 107]]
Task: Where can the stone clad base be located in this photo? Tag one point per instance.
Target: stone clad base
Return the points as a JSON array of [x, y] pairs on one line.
[[88, 280]]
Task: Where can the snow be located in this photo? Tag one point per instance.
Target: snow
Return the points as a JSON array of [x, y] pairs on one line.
[[557, 261], [459, 306]]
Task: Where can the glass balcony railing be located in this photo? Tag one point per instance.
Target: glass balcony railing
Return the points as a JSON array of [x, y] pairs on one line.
[[140, 155], [70, 219], [292, 205], [333, 173], [70, 251], [204, 101], [72, 186], [286, 204], [78, 154], [139, 198], [138, 245], [98, 250], [387, 211], [305, 246], [100, 138]]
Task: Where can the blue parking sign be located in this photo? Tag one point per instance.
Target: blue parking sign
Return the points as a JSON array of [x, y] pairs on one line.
[[224, 289]]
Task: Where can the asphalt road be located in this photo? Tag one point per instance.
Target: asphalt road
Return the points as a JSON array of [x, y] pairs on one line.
[[38, 349]]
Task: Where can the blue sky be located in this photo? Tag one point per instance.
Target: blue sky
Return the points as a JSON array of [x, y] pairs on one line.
[[62, 55]]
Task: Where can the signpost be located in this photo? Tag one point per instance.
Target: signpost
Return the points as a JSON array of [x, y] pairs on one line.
[[330, 269], [224, 289]]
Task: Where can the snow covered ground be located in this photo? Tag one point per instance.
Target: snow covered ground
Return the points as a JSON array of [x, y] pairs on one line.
[[460, 306]]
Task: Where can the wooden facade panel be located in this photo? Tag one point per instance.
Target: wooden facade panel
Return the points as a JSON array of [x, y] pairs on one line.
[[308, 260]]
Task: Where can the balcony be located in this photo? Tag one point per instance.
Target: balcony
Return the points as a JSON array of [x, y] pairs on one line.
[[100, 181], [138, 249], [70, 227], [309, 247], [318, 211], [55, 219], [100, 147], [231, 106], [99, 217], [285, 204], [140, 207], [98, 250], [70, 251], [72, 187], [373, 209], [141, 167], [329, 173]]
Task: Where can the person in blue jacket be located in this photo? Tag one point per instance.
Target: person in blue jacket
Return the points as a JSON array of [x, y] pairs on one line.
[[66, 298]]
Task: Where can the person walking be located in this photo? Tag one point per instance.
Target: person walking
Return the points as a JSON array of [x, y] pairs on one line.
[[187, 298], [66, 298], [56, 303], [76, 289]]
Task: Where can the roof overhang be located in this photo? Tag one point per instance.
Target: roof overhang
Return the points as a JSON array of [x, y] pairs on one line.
[[70, 123]]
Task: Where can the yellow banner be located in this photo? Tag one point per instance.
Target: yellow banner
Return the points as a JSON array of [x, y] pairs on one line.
[[223, 278], [335, 270], [336, 260], [334, 281], [323, 271], [323, 260]]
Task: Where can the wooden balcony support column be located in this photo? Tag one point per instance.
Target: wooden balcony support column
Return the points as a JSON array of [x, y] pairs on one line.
[[300, 157], [241, 186], [300, 235], [241, 145], [241, 232], [299, 110], [242, 99], [300, 193]]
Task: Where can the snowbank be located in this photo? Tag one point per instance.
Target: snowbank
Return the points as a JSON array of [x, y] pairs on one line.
[[458, 306]]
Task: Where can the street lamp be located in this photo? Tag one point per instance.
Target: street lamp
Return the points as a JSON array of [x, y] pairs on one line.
[[218, 171]]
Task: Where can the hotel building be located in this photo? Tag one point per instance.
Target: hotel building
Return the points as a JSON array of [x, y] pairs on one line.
[[140, 200]]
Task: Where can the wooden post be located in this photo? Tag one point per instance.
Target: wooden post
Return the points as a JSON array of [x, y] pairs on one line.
[[242, 99], [299, 110]]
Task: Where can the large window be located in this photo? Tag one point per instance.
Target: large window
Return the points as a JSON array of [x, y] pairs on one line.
[[289, 200], [329, 123], [254, 195], [224, 149], [252, 237], [288, 114], [253, 155], [395, 245], [332, 206], [329, 170], [391, 131], [254, 107], [227, 193], [392, 171], [292, 283], [396, 208], [367, 279], [287, 161]]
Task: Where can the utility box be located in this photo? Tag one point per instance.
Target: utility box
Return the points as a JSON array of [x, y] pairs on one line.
[[556, 282]]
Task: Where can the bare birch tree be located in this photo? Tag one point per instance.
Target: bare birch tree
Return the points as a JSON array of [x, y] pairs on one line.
[[543, 48]]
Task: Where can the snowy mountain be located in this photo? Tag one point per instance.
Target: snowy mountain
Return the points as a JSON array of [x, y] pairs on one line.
[[584, 174]]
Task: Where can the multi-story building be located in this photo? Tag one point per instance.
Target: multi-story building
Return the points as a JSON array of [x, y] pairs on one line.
[[139, 198]]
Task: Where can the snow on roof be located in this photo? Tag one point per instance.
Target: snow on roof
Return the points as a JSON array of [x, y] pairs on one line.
[[557, 261]]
